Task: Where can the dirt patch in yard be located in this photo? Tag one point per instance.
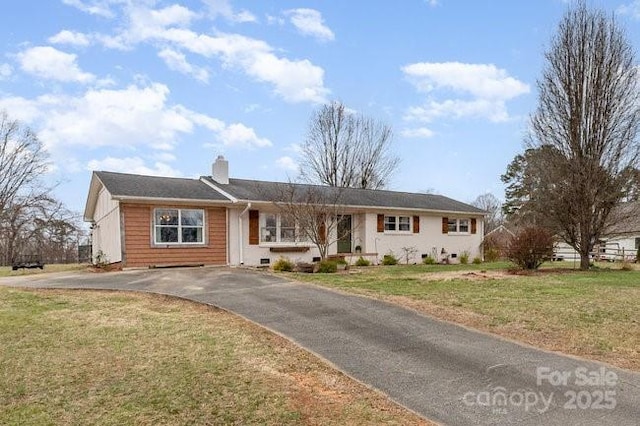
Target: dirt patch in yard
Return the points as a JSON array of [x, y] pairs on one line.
[[466, 275]]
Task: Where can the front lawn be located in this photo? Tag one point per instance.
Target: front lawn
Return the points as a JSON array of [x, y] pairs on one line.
[[593, 314], [87, 357]]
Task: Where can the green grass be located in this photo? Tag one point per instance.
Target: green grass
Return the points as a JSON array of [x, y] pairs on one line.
[[5, 271], [108, 358], [593, 314]]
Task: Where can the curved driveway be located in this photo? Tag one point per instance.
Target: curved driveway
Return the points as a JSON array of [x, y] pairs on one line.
[[442, 371]]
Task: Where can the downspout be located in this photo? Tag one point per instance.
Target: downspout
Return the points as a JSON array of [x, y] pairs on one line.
[[241, 239]]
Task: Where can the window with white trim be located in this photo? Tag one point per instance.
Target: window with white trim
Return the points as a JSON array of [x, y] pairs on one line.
[[459, 226], [277, 228], [397, 223], [178, 226]]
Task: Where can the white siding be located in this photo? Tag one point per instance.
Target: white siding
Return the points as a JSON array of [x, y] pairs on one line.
[[429, 241], [106, 231], [253, 253]]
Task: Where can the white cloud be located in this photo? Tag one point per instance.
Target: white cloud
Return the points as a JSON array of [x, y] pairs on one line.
[[481, 80], [309, 22], [240, 136], [52, 64], [178, 62], [72, 38], [631, 9], [419, 133], [124, 118], [5, 71], [135, 165], [432, 3], [462, 90], [287, 163], [495, 111], [293, 80], [93, 7], [223, 8]]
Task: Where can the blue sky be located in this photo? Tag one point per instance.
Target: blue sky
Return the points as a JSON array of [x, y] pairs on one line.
[[163, 87]]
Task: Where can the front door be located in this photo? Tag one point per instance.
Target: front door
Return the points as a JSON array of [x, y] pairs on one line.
[[344, 234]]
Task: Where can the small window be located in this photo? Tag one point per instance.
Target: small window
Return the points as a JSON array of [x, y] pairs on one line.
[[397, 223], [277, 228], [389, 223], [637, 243], [178, 226], [459, 226], [270, 228], [287, 229]]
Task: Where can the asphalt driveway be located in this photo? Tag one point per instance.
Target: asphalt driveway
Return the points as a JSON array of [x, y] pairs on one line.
[[444, 372]]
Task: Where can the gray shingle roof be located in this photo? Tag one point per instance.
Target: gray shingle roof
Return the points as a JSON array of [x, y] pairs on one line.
[[129, 185], [253, 190]]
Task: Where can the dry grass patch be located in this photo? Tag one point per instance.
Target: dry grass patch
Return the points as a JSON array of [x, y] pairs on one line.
[[87, 357]]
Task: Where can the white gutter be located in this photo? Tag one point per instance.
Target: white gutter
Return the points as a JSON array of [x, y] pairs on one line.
[[240, 236]]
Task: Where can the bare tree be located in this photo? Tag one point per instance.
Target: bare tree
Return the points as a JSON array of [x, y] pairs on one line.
[[489, 203], [22, 159], [347, 150], [315, 211], [588, 116], [31, 220]]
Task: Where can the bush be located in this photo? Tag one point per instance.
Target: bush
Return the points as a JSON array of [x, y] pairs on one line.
[[389, 259], [362, 262], [327, 267], [101, 260], [283, 265], [477, 260], [464, 257], [492, 254], [429, 260], [531, 247]]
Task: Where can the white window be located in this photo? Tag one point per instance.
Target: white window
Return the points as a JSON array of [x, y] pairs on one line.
[[276, 228], [459, 226], [178, 226], [397, 223]]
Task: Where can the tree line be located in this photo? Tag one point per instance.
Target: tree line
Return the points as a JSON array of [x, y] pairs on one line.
[[32, 221]]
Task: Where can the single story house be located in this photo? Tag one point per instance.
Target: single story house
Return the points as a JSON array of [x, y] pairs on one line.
[[620, 240], [144, 221]]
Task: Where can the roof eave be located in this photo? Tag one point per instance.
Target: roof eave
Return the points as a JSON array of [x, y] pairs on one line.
[[362, 207], [170, 200], [92, 197]]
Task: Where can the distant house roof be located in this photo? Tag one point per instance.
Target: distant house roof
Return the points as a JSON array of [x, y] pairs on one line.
[[254, 190], [624, 219]]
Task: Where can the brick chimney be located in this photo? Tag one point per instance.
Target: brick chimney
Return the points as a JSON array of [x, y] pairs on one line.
[[220, 170]]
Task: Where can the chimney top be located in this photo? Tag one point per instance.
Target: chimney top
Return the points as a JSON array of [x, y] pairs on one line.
[[220, 170]]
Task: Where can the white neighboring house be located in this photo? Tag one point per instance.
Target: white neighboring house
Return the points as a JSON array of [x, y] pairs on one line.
[[619, 242], [141, 221]]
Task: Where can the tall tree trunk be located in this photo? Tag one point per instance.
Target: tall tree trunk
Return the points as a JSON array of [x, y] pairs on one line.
[[585, 260]]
